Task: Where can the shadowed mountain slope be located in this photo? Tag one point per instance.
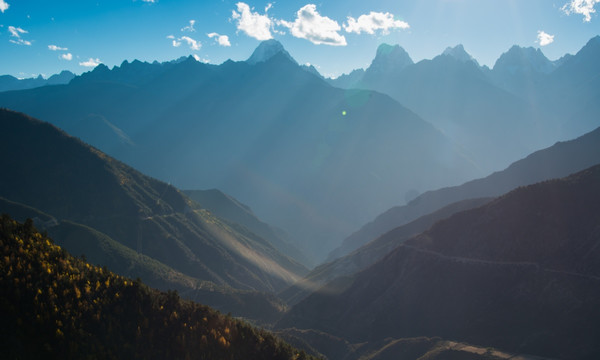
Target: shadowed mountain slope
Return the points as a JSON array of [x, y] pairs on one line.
[[69, 180], [521, 273], [559, 160], [371, 252]]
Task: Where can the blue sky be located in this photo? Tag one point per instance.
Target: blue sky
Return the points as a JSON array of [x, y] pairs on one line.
[[45, 37]]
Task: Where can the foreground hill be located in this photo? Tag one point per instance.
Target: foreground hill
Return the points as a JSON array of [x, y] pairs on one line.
[[309, 158], [56, 306], [100, 249], [60, 176], [521, 273], [558, 160]]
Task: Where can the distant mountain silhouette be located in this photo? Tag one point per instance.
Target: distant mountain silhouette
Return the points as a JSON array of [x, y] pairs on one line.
[[559, 160], [309, 158], [121, 213], [521, 273], [8, 82], [389, 60], [458, 98], [526, 102], [266, 50], [521, 71], [459, 53]]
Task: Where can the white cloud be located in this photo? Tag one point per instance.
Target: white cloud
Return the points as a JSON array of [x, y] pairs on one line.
[[374, 21], [194, 45], [310, 25], [91, 62], [67, 56], [56, 48], [190, 27], [544, 38], [4, 6], [16, 33], [150, 1], [252, 23], [223, 40], [583, 7]]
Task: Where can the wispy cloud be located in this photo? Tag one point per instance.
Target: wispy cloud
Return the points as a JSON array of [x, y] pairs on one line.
[[150, 1], [374, 21], [222, 40], [310, 25], [544, 38], [56, 48], [194, 44], [16, 33], [91, 62], [4, 6], [67, 56], [583, 7], [189, 27], [252, 23]]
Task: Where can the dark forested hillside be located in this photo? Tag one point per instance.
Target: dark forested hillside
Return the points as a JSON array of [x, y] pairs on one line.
[[55, 306]]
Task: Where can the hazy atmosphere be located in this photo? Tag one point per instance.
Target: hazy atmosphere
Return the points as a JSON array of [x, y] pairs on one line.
[[345, 180]]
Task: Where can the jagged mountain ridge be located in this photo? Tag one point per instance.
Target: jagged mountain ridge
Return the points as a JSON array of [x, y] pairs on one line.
[[8, 83], [272, 134], [525, 100]]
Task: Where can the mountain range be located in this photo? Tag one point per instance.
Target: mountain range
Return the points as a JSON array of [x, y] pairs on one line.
[[309, 158], [8, 82], [525, 100]]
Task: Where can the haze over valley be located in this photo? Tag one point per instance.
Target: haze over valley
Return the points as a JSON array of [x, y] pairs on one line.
[[415, 204]]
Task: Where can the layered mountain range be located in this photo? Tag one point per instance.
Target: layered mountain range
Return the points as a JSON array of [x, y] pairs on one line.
[[307, 157], [525, 100], [497, 267]]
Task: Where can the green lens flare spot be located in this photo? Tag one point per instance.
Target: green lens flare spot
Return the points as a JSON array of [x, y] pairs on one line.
[[344, 113]]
